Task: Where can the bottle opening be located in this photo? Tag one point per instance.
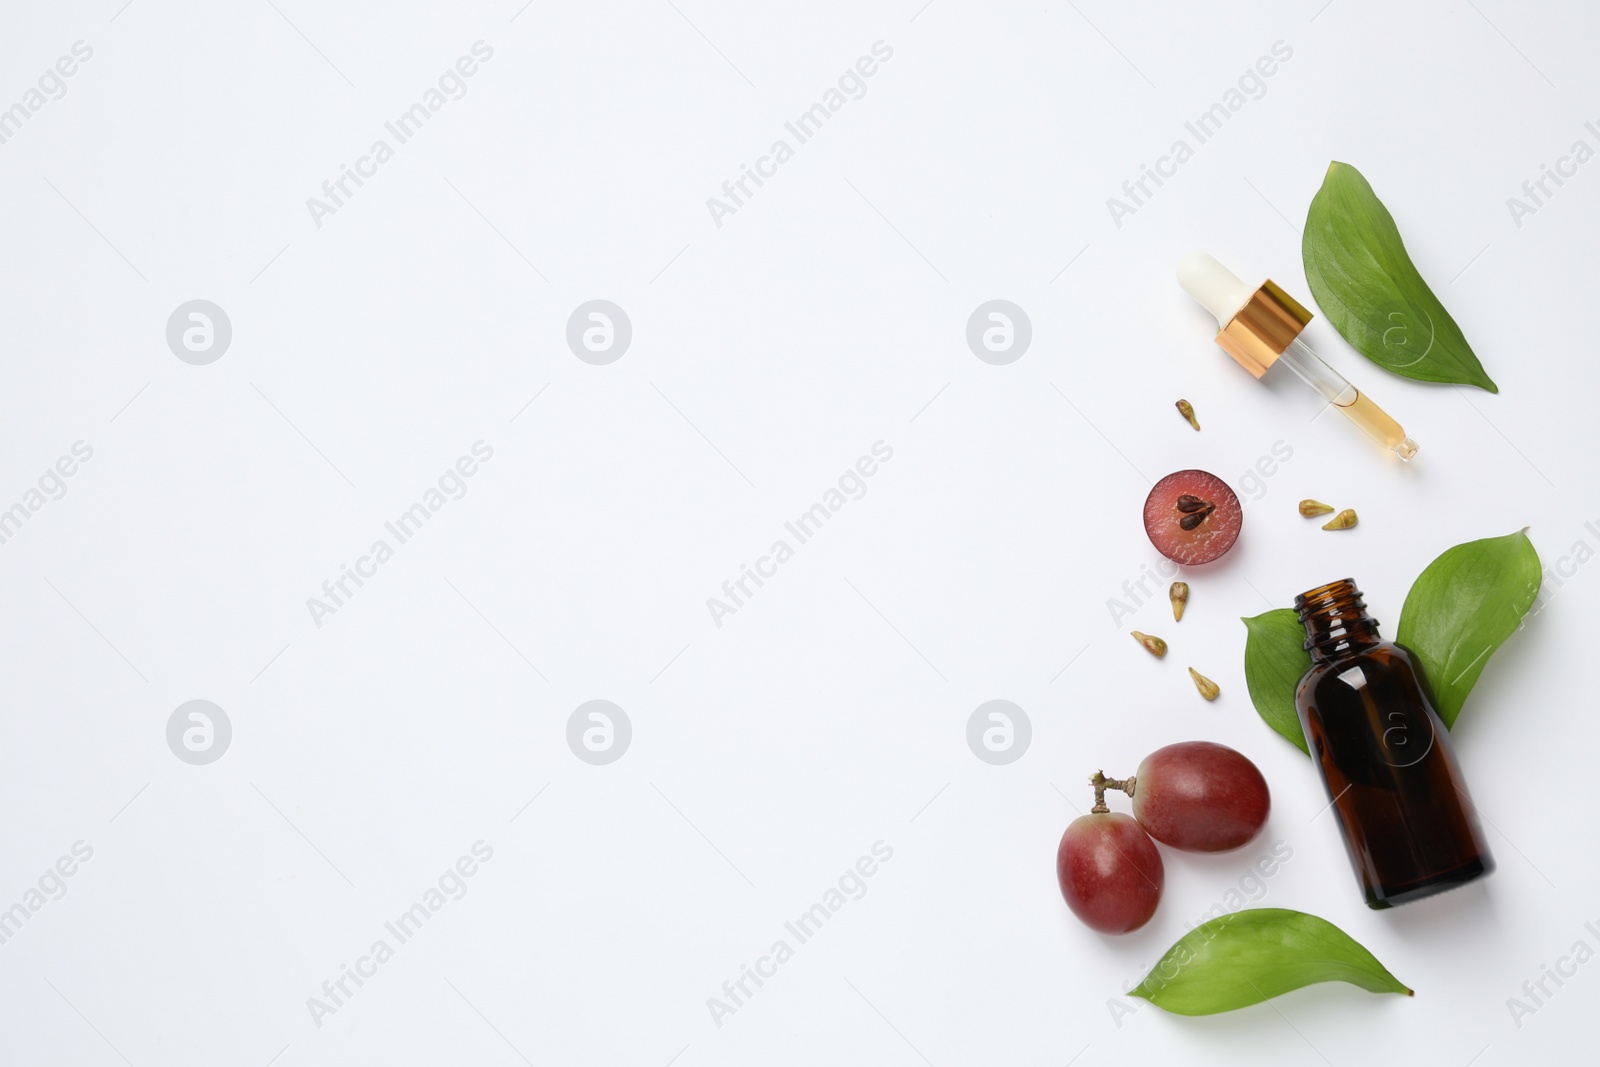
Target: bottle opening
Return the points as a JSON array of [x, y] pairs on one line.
[[1336, 620], [1324, 596]]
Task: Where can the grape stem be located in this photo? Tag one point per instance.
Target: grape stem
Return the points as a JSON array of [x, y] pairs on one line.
[[1101, 783]]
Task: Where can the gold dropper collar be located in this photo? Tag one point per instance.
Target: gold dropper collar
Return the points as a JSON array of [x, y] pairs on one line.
[[1259, 332]]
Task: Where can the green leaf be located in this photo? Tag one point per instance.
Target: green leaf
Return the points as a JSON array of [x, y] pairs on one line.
[[1463, 607], [1274, 660], [1370, 290], [1237, 960]]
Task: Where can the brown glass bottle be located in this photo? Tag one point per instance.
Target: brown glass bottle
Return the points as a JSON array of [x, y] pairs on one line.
[[1392, 779]]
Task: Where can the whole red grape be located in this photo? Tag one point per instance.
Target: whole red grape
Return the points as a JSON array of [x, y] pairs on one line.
[[1110, 872], [1200, 796]]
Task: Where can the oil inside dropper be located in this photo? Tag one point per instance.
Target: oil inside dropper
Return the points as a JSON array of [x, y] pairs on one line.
[[1378, 425]]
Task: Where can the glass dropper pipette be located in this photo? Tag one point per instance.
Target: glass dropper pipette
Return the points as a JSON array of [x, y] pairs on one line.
[[1261, 327]]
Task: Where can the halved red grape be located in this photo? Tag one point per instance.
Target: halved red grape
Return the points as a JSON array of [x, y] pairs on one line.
[[1200, 796], [1192, 517], [1110, 872]]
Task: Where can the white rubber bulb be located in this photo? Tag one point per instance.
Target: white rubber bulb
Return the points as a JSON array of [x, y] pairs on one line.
[[1213, 286]]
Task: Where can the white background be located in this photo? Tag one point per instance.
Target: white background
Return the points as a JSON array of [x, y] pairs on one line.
[[829, 712]]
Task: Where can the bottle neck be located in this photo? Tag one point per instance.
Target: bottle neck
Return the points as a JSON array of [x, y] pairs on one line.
[[1336, 621]]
